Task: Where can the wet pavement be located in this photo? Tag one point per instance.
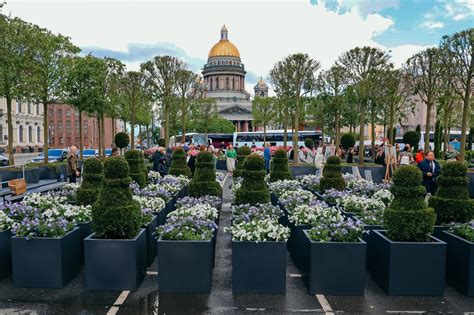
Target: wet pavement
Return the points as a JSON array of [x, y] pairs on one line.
[[74, 299]]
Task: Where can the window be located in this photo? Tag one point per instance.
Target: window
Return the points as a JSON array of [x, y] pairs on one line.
[[37, 109], [30, 134], [226, 83], [61, 140], [217, 83], [68, 113], [60, 113], [38, 134], [60, 126], [1, 132], [68, 126], [77, 126], [85, 127], [20, 133], [29, 108], [76, 113], [18, 106]]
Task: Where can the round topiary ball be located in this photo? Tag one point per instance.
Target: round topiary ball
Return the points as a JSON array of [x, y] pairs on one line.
[[244, 150], [93, 166], [254, 162], [407, 176], [161, 142], [116, 167], [204, 156], [309, 143], [412, 138], [280, 154], [348, 140], [122, 140], [333, 160], [455, 169]]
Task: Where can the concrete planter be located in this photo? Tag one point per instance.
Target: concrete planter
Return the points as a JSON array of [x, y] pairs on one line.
[[115, 264], [46, 262], [5, 253], [47, 173], [161, 216], [221, 165], [150, 240], [9, 175], [298, 246], [336, 268], [32, 176], [409, 268], [86, 230], [368, 239], [258, 267], [302, 170], [459, 263], [185, 266]]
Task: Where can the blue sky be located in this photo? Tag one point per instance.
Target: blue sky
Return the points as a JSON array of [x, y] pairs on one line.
[[265, 31]]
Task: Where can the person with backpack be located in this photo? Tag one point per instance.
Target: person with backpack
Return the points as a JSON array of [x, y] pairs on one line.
[[405, 157]]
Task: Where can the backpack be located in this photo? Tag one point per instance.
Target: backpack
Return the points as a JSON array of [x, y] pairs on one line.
[[405, 160]]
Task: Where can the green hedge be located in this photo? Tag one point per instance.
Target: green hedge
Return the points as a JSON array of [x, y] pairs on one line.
[[254, 190], [92, 176], [179, 165], [204, 179], [116, 215], [136, 166], [279, 169], [408, 219], [451, 202], [332, 176], [242, 153]]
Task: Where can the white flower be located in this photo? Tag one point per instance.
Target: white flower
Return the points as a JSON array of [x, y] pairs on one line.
[[280, 186], [259, 231], [290, 199], [202, 211], [320, 212], [384, 195], [156, 204]]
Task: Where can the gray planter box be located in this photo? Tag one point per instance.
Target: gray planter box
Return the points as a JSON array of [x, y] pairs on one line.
[[115, 264], [5, 253], [302, 170], [409, 268], [336, 268], [221, 165], [459, 263], [32, 175], [368, 239], [86, 230], [151, 241], [258, 267], [46, 262], [298, 246], [185, 266], [47, 173]]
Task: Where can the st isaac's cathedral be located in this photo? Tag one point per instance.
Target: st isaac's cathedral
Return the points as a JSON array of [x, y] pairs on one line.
[[224, 75]]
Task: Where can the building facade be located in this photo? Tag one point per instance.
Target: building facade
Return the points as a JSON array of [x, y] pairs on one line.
[[63, 128], [27, 126], [224, 77]]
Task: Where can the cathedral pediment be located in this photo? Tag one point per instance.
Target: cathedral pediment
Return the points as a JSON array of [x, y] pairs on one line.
[[236, 109]]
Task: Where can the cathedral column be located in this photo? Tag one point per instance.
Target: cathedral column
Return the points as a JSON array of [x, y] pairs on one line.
[[246, 126]]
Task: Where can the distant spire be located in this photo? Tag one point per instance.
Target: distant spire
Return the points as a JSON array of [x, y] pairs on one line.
[[224, 33]]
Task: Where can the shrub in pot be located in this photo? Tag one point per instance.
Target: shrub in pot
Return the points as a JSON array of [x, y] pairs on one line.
[[122, 140], [253, 190], [135, 164], [451, 202], [309, 143], [332, 176], [242, 153], [410, 261], [348, 140], [178, 163], [92, 174], [279, 169], [115, 254], [204, 179]]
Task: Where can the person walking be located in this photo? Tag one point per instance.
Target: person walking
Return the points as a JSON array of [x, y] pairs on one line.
[[405, 157], [318, 161], [71, 167], [230, 154], [419, 156], [451, 154], [159, 162], [431, 170], [267, 156], [380, 156]]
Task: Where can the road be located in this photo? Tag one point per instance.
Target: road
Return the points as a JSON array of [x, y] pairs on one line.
[[23, 158]]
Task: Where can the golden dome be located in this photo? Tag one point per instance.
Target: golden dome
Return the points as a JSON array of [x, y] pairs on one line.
[[224, 48], [261, 82]]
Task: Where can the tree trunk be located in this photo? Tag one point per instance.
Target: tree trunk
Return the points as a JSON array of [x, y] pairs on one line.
[[466, 110], [45, 132], [391, 122], [11, 156], [167, 126], [102, 122], [124, 126], [361, 133], [81, 145], [285, 134], [264, 134], [148, 138], [372, 133], [338, 129], [183, 125], [113, 133], [99, 138], [429, 107], [295, 132]]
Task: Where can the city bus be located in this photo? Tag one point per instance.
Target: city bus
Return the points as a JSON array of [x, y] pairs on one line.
[[275, 137], [218, 138], [196, 138]]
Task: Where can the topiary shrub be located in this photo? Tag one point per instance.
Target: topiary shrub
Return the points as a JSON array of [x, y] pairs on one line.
[[332, 176], [451, 202], [92, 176], [242, 153], [122, 140], [254, 190], [136, 166], [116, 215], [161, 142], [348, 140], [279, 169], [178, 163], [412, 138], [408, 218], [309, 143], [204, 179]]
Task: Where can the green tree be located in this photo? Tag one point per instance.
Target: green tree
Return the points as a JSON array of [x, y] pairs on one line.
[[263, 112], [204, 110], [186, 79], [48, 70], [15, 63], [295, 76], [361, 66], [424, 72], [221, 125], [461, 50]]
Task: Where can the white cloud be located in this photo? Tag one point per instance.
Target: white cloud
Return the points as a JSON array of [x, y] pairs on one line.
[[432, 24], [401, 53]]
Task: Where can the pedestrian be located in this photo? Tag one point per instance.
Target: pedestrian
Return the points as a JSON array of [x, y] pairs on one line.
[[350, 155], [419, 156], [405, 157], [318, 161], [159, 162], [222, 146], [115, 152], [267, 156], [380, 156], [231, 154], [301, 155], [71, 168], [431, 170], [451, 154]]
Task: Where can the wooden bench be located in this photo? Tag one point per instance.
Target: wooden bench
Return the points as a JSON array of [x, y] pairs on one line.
[[17, 186]]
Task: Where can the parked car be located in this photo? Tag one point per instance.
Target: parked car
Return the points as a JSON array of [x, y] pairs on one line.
[[88, 153], [108, 152], [54, 155], [3, 160]]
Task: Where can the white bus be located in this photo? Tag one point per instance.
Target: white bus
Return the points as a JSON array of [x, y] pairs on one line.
[[275, 137], [196, 138]]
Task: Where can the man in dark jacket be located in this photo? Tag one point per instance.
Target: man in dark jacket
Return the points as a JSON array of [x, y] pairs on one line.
[[431, 170], [159, 162]]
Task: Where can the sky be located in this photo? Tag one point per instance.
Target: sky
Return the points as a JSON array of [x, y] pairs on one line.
[[265, 31]]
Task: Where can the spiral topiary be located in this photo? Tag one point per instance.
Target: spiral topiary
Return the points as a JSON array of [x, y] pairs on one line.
[[451, 202], [178, 163], [122, 140], [116, 215], [279, 169], [408, 218], [242, 153], [204, 179], [332, 176], [136, 166], [254, 190], [92, 176]]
